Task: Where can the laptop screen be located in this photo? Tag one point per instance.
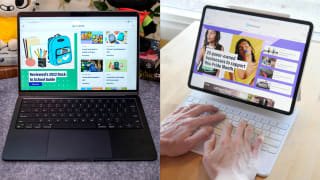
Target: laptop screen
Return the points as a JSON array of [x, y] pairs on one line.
[[250, 58], [78, 53]]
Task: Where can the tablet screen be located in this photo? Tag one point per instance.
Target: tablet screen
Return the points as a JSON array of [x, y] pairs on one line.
[[251, 58]]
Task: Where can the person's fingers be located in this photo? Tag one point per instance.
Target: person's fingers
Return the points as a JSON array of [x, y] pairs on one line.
[[207, 120], [240, 130], [248, 133], [226, 132], [185, 109], [256, 146], [202, 108], [193, 105], [210, 144], [188, 107], [203, 133], [177, 110]]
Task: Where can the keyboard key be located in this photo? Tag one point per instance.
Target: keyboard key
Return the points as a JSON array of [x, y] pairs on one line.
[[258, 125], [273, 123], [283, 126], [266, 127], [269, 149], [47, 126], [257, 118], [236, 112], [102, 125], [236, 118], [235, 123], [250, 116], [274, 130], [251, 122], [271, 142], [264, 120], [243, 114], [282, 132], [37, 125], [276, 137], [228, 110], [25, 109], [26, 115], [229, 116], [20, 125]]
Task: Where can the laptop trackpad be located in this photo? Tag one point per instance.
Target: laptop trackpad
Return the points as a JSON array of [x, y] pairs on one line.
[[79, 145]]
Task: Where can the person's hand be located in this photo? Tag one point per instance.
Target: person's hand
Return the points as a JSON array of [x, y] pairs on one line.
[[183, 129], [234, 157]]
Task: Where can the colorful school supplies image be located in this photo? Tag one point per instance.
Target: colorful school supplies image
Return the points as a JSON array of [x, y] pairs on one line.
[[121, 36], [116, 37], [91, 37], [41, 54], [59, 50], [116, 65], [27, 43], [42, 62], [112, 38], [30, 62], [95, 65]]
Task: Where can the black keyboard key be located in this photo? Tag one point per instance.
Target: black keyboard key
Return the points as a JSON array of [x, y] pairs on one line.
[[47, 125], [83, 120], [37, 126], [23, 120], [28, 126], [26, 115], [20, 125], [67, 120], [102, 125], [25, 109]]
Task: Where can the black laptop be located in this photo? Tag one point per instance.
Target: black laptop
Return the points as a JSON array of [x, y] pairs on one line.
[[78, 89]]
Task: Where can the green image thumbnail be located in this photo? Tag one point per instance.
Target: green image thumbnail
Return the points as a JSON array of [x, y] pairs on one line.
[[116, 65]]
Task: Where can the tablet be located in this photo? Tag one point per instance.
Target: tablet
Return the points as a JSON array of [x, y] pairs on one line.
[[249, 57]]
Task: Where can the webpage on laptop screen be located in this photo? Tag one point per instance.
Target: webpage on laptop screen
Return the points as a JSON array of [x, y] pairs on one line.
[[250, 58], [78, 53]]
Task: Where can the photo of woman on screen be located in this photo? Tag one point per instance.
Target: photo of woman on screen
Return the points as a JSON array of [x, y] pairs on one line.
[[211, 40], [245, 53]]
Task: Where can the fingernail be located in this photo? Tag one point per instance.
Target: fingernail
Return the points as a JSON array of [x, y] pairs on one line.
[[261, 137]]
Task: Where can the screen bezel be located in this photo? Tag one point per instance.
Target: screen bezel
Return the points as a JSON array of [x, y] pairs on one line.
[[78, 14], [257, 15]]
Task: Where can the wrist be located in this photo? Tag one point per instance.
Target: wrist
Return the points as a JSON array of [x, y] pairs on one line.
[[230, 175], [164, 145]]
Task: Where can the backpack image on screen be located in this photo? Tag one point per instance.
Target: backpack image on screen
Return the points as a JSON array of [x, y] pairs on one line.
[[121, 36], [59, 50]]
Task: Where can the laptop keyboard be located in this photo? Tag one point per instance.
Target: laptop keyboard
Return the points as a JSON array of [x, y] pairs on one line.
[[273, 130], [108, 113]]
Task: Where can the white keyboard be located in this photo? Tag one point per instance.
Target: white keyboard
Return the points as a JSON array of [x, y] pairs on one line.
[[274, 130]]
